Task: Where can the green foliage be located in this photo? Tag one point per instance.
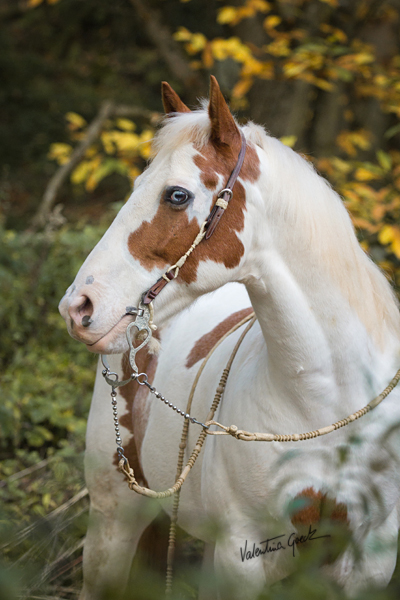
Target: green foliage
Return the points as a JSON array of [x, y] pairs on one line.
[[46, 377], [59, 60], [46, 380]]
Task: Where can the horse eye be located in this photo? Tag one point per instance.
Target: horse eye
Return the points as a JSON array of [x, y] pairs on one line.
[[177, 196]]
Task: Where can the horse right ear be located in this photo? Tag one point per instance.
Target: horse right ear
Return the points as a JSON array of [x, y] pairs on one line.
[[171, 101]]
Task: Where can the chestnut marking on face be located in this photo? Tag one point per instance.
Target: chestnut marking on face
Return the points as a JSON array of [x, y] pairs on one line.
[[163, 240], [203, 345]]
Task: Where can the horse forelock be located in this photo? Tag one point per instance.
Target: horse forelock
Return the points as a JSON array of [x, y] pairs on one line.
[[182, 128]]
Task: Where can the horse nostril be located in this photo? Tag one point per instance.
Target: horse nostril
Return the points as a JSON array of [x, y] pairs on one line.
[[86, 321], [81, 311]]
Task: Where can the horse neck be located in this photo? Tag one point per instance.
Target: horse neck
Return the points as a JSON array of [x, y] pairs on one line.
[[325, 310]]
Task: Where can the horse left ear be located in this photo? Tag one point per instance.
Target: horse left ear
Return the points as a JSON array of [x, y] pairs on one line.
[[223, 126], [171, 101]]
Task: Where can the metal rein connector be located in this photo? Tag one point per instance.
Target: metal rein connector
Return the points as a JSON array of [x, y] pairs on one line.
[[142, 322]]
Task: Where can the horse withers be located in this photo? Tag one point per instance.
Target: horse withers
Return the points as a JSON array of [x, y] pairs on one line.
[[326, 341]]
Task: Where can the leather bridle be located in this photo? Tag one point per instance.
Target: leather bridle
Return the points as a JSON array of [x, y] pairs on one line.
[[208, 226]]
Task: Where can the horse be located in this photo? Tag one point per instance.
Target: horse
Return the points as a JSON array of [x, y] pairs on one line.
[[326, 340]]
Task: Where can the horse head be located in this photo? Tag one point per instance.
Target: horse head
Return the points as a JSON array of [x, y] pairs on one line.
[[195, 153]]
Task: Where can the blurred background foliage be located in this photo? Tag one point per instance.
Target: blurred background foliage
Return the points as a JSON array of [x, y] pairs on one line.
[[79, 103]]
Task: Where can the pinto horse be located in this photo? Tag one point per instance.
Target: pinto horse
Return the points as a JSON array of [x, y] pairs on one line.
[[326, 341]]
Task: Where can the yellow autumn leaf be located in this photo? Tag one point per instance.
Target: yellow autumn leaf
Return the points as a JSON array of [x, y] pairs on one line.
[[341, 165], [323, 84], [289, 140], [252, 66], [75, 121], [363, 58], [349, 141], [145, 144], [60, 152], [126, 124], [242, 87], [381, 80], [227, 14], [272, 21], [362, 139], [386, 234], [83, 170], [390, 234], [260, 5], [230, 48], [34, 3], [196, 43], [182, 35], [363, 174], [107, 141], [291, 69]]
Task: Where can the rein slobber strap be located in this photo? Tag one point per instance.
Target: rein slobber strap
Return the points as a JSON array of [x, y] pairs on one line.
[[206, 230]]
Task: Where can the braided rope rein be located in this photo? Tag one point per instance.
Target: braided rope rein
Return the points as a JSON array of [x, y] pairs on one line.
[[247, 436], [232, 430], [124, 465]]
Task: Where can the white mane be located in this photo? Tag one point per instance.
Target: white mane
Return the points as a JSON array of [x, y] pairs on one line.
[[318, 220], [313, 212]]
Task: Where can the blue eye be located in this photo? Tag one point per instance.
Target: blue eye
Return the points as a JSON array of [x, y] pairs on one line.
[[177, 196]]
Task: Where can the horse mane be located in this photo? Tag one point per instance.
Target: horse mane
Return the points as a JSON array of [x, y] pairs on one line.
[[315, 214], [319, 221]]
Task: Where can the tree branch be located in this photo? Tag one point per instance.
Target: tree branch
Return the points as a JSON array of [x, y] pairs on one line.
[[107, 110], [170, 50]]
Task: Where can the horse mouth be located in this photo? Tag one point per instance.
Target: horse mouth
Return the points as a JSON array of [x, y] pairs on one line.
[[113, 341]]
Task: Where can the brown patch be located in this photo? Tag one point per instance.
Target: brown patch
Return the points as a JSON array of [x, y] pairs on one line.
[[215, 160], [137, 410], [325, 519], [163, 240], [318, 507], [203, 346]]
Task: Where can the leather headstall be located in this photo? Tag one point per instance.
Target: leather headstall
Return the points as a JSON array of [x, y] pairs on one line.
[[211, 222]]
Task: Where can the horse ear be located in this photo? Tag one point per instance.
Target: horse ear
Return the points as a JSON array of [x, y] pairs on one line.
[[171, 101], [223, 126]]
